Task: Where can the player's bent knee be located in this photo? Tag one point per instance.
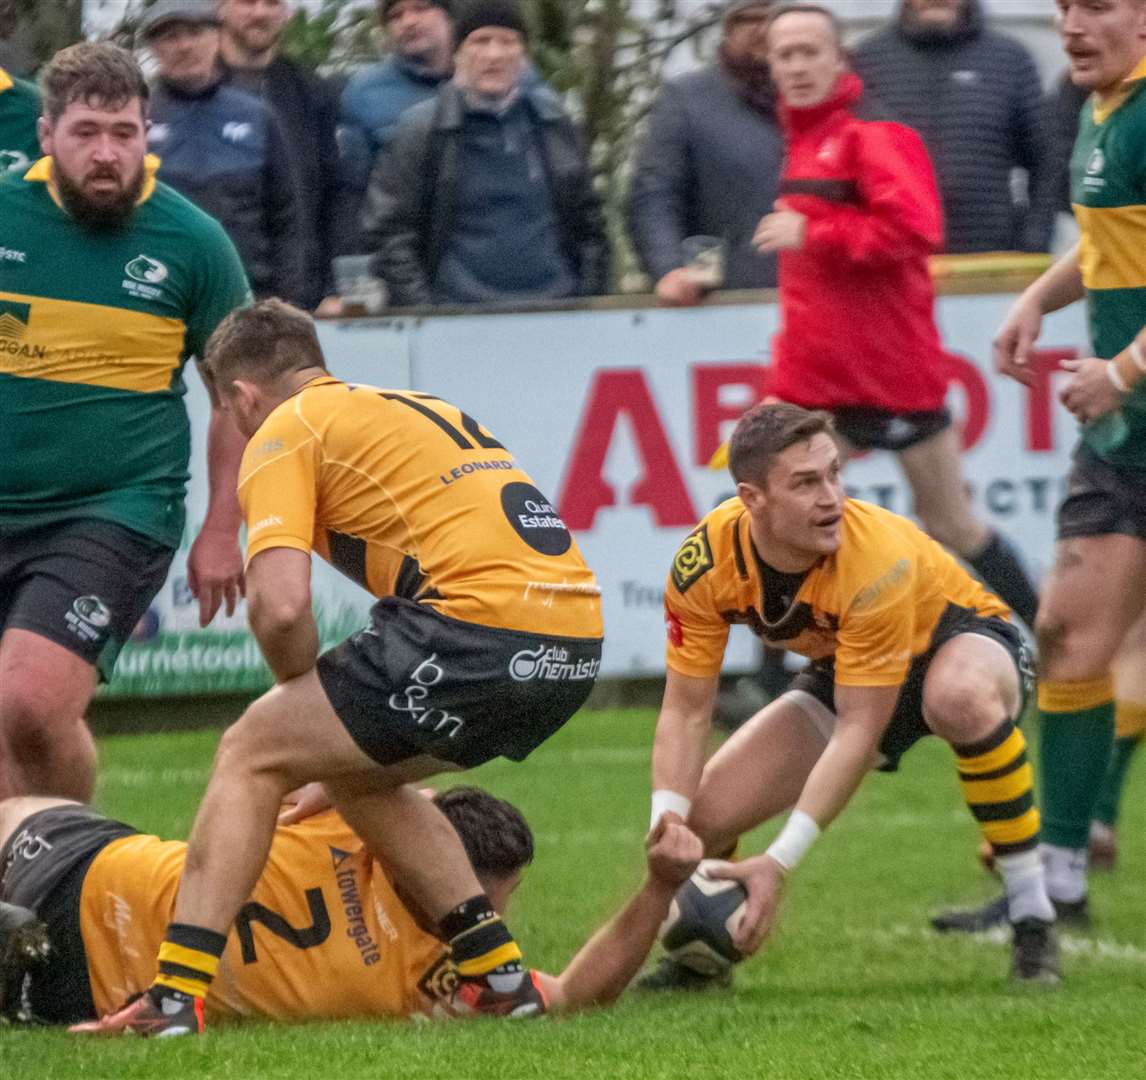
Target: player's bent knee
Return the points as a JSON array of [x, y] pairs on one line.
[[961, 707]]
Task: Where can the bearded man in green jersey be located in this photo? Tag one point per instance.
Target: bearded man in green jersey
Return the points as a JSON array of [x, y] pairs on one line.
[[109, 281], [1097, 587]]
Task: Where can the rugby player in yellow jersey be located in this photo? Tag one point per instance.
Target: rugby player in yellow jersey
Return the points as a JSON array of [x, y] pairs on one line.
[[325, 934], [902, 643], [485, 640]]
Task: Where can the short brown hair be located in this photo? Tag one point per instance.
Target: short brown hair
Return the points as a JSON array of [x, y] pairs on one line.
[[809, 9], [98, 73], [494, 833], [766, 431], [262, 343]]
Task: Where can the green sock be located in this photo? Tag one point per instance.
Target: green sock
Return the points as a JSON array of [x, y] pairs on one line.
[[1075, 743], [1106, 809]]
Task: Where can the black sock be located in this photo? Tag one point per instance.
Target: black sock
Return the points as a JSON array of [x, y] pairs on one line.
[[480, 942], [998, 564]]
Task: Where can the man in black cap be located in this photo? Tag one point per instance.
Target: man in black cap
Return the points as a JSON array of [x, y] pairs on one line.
[[484, 193], [222, 148]]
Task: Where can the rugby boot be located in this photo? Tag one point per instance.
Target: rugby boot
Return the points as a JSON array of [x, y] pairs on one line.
[[24, 946], [1034, 953], [1071, 915], [669, 975], [477, 997], [173, 1014]]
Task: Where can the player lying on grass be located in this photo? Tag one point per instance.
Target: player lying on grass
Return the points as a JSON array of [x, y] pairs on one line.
[[324, 935], [902, 642]]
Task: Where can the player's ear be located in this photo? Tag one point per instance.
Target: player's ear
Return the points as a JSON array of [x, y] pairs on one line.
[[751, 495], [44, 134]]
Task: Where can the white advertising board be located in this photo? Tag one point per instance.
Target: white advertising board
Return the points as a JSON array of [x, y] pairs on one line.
[[616, 414]]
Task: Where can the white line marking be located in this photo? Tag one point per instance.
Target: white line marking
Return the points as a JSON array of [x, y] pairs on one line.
[[1070, 943]]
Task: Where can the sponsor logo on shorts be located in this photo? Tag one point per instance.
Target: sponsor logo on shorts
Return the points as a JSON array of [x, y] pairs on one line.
[[551, 664], [26, 846], [535, 519], [414, 700], [88, 618]]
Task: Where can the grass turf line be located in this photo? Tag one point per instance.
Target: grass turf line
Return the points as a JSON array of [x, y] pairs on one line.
[[852, 984]]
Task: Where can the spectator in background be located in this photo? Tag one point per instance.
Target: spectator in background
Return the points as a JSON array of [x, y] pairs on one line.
[[484, 193], [858, 218], [19, 110], [1060, 123], [222, 148], [421, 33], [975, 98], [709, 163], [306, 108]]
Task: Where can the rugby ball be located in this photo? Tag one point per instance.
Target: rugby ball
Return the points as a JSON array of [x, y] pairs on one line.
[[697, 933]]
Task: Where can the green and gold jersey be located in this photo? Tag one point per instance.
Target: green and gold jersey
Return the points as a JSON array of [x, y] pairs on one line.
[[19, 108], [1108, 190], [95, 328]]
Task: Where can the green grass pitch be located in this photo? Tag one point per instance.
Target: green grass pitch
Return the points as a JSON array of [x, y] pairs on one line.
[[852, 984]]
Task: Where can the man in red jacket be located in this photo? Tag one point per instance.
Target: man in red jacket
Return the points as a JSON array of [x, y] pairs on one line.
[[858, 217]]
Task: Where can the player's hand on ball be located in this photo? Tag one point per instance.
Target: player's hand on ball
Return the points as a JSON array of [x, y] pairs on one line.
[[1090, 393], [673, 851], [763, 877]]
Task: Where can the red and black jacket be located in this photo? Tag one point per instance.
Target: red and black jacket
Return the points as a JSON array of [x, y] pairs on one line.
[[857, 301]]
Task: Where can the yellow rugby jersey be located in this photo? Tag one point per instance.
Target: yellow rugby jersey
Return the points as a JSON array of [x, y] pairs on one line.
[[323, 935], [408, 496], [873, 605]]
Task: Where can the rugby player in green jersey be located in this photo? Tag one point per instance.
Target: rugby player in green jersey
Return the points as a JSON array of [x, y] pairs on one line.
[[1097, 586], [109, 281], [19, 110]]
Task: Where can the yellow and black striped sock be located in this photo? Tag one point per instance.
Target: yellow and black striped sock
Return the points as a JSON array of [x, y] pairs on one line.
[[480, 942], [188, 960], [998, 785]]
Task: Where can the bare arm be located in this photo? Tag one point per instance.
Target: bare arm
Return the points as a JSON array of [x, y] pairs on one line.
[[278, 604], [607, 962], [215, 563], [863, 715], [683, 726], [1059, 287]]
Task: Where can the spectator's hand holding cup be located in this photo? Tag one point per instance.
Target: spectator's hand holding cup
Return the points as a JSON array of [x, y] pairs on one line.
[[703, 271], [359, 290]]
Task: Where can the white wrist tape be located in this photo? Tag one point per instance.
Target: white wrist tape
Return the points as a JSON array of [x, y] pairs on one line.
[[800, 832], [666, 801], [1137, 356], [1115, 376]]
